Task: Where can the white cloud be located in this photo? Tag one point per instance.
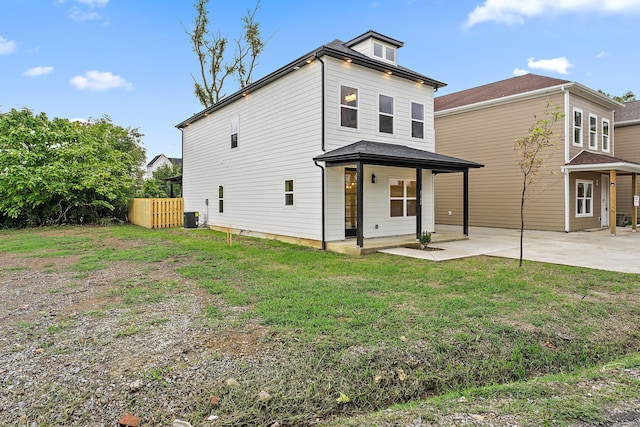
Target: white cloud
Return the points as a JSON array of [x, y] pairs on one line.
[[100, 81], [516, 11], [94, 3], [6, 46], [602, 54], [559, 65], [520, 72], [80, 15], [38, 71]]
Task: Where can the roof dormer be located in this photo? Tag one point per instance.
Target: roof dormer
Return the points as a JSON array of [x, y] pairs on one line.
[[377, 46]]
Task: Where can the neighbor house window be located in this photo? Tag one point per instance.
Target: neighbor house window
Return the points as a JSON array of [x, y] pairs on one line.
[[417, 120], [593, 132], [288, 192], [402, 197], [234, 131], [220, 199], [384, 52], [348, 107], [605, 135], [385, 108], [577, 127], [584, 198]]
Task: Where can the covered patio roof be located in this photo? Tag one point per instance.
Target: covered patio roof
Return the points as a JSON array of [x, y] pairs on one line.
[[379, 153], [587, 161]]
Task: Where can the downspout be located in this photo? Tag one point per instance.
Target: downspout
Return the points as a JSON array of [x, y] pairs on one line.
[[567, 142], [322, 146]]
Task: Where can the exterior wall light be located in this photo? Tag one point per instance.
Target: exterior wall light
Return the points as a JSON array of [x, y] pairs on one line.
[[373, 178]]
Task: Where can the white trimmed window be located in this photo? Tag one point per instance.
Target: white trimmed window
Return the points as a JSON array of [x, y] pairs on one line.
[[417, 120], [584, 198], [234, 131], [593, 132], [605, 135], [289, 199], [385, 116], [220, 199], [577, 127], [348, 107], [386, 53], [402, 197]]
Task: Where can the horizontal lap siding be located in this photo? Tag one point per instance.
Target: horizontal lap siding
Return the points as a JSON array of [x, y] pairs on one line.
[[627, 147], [279, 134], [487, 136]]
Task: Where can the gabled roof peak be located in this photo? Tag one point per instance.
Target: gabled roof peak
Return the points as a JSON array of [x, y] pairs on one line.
[[374, 35]]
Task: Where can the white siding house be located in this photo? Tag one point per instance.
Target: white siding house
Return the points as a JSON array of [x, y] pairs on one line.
[[337, 144]]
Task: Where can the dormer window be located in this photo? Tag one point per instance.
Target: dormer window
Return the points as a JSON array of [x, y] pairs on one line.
[[386, 53]]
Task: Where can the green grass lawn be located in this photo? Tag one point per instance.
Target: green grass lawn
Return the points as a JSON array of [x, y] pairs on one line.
[[382, 330]]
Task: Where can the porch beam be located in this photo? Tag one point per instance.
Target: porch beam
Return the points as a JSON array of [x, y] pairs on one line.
[[612, 201], [465, 203], [634, 194], [360, 205], [418, 203]]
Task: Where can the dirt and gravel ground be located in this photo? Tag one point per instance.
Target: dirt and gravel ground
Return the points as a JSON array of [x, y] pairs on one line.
[[74, 352]]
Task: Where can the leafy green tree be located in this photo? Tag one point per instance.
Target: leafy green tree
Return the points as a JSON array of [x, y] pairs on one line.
[[533, 150], [54, 171], [157, 185], [626, 97], [211, 52]]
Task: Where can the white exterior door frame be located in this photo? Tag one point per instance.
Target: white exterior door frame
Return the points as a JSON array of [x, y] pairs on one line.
[[604, 201]]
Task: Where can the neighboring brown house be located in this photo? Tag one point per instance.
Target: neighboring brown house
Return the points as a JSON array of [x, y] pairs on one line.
[[627, 129], [574, 190]]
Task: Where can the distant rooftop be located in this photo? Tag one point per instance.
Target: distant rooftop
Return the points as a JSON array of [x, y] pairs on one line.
[[630, 112]]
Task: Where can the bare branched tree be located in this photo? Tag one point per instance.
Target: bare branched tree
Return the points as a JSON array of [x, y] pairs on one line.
[[211, 48], [533, 150]]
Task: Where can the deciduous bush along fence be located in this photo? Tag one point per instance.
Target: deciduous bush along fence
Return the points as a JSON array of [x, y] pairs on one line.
[[156, 213]]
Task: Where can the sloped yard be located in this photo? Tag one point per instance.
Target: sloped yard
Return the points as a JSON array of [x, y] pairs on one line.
[[99, 322]]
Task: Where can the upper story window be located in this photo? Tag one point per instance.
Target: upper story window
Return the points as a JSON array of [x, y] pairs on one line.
[[593, 132], [605, 135], [234, 131], [385, 109], [417, 120], [577, 127], [386, 53], [348, 107], [402, 197], [288, 193]]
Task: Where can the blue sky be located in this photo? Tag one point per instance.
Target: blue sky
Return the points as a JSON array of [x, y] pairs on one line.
[[131, 59]]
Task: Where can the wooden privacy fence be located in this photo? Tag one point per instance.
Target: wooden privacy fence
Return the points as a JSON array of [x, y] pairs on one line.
[[156, 213]]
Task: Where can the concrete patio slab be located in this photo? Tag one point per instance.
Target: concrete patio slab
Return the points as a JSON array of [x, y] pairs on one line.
[[591, 249]]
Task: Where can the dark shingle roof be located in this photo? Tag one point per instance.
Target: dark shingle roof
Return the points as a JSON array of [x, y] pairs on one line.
[[590, 158], [497, 90], [630, 112], [394, 155]]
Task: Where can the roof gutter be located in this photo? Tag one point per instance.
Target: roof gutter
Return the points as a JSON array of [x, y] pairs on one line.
[[322, 146]]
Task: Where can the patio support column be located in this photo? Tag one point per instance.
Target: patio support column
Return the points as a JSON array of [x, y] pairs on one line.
[[360, 205], [418, 203], [634, 194], [612, 201], [465, 202]]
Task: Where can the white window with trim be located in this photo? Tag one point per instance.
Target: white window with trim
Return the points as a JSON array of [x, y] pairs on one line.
[[417, 120], [605, 135], [402, 198], [584, 198], [577, 127], [593, 132], [384, 52], [220, 199], [234, 131], [348, 107], [289, 195], [385, 114]]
